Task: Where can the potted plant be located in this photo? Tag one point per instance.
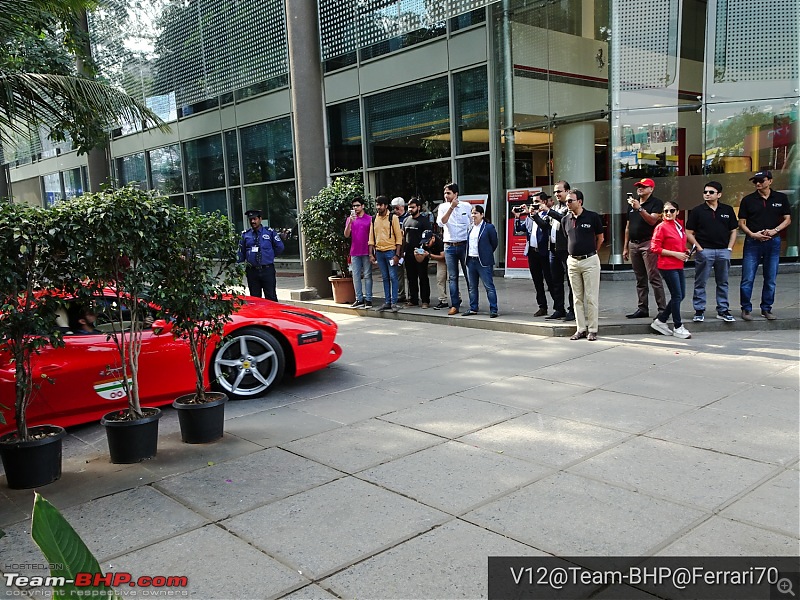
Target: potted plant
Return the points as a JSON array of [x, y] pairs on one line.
[[31, 456], [195, 296], [125, 251], [322, 221]]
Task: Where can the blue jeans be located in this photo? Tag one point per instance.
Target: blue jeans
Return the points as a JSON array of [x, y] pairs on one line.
[[476, 271], [768, 253], [676, 284], [453, 256], [361, 267], [389, 274], [704, 262]]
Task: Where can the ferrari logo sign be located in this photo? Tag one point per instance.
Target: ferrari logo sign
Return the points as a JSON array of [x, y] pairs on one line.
[[110, 389]]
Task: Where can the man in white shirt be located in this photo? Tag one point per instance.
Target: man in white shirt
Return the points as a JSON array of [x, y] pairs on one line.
[[454, 218]]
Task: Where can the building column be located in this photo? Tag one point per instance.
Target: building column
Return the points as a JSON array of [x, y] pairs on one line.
[[305, 76], [573, 152]]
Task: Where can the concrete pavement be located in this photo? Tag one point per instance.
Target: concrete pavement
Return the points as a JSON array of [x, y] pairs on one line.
[[427, 448]]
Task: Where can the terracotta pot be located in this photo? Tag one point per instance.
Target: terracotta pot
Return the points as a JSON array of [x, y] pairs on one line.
[[343, 290]]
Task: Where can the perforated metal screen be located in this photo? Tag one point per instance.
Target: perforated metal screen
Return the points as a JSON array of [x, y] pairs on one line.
[[647, 40], [756, 40], [346, 25], [196, 49]]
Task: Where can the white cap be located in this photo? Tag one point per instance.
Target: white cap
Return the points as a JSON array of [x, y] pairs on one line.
[[398, 201]]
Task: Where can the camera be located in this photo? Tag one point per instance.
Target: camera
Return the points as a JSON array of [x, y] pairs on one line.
[[630, 198], [419, 250]]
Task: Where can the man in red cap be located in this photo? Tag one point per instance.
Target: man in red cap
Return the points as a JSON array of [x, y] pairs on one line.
[[644, 214]]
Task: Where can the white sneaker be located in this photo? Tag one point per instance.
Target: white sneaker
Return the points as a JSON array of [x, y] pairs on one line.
[[660, 327], [680, 332]]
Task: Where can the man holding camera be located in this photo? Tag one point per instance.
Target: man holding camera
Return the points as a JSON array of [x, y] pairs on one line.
[[530, 220], [643, 216]]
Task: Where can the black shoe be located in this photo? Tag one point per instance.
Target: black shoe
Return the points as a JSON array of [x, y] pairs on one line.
[[368, 304], [540, 313], [440, 306], [570, 316], [639, 314], [492, 315], [559, 314], [357, 304], [468, 313]]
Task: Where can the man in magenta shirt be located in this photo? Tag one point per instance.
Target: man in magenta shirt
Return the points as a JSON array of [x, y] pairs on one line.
[[357, 229]]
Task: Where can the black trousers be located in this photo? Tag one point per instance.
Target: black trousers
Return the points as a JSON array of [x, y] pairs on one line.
[[419, 286], [558, 269], [539, 266], [262, 279]]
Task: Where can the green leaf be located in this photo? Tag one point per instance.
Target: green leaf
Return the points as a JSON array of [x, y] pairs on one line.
[[63, 549]]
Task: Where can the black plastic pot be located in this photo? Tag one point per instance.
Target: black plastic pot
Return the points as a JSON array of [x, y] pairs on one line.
[[201, 423], [34, 463], [131, 441]]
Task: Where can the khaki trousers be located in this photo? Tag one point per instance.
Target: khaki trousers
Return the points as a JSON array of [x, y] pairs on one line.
[[441, 281], [584, 277]]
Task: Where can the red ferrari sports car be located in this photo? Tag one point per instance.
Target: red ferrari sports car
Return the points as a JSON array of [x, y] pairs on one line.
[[81, 381]]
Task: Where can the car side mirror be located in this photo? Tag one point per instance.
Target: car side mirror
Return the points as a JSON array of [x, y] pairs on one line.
[[161, 326]]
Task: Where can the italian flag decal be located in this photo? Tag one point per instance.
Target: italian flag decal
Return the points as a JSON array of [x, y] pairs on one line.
[[110, 389]]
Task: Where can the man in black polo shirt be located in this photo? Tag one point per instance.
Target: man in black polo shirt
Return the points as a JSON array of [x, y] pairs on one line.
[[643, 216], [762, 216], [419, 287], [711, 228], [584, 231]]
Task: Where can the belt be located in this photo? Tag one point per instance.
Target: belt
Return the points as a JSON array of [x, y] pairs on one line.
[[259, 267], [455, 243], [583, 256], [638, 241]]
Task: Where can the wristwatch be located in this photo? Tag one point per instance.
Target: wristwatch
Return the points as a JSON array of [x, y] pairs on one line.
[[640, 209]]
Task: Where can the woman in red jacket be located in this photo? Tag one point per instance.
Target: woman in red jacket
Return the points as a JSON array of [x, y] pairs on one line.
[[669, 244]]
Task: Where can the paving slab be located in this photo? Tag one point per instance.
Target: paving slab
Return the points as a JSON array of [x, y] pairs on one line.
[[235, 486], [544, 439], [357, 404], [326, 381], [333, 526], [719, 536], [447, 562], [695, 390], [433, 383], [751, 436], [676, 472], [310, 592], [524, 391], [250, 406], [726, 368], [277, 426], [568, 515], [592, 371], [759, 399], [234, 569], [454, 477], [775, 504], [362, 445], [452, 416], [615, 411]]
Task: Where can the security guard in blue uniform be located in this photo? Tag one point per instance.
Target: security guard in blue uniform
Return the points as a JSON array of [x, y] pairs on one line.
[[258, 248]]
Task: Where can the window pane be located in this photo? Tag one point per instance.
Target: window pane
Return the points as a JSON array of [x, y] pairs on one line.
[[278, 206], [237, 213], [473, 175], [472, 111], [344, 132], [267, 151], [165, 169], [131, 169], [209, 201], [232, 150], [408, 124], [473, 17], [52, 189], [426, 181], [204, 164], [73, 185]]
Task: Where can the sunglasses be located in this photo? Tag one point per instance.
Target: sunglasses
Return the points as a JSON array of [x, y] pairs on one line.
[[670, 210], [758, 180], [709, 191]]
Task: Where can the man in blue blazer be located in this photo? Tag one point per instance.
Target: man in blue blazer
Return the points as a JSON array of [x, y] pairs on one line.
[[481, 244]]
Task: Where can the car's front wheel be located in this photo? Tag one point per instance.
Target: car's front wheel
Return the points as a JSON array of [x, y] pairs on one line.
[[247, 363]]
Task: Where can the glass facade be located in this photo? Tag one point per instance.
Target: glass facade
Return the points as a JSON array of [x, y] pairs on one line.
[[494, 95]]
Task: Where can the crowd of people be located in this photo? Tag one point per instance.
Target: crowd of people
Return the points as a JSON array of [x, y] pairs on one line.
[[563, 240]]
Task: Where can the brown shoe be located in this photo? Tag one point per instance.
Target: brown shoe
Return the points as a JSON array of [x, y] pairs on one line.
[[592, 337], [453, 311], [540, 313], [768, 315], [579, 335], [425, 305]]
